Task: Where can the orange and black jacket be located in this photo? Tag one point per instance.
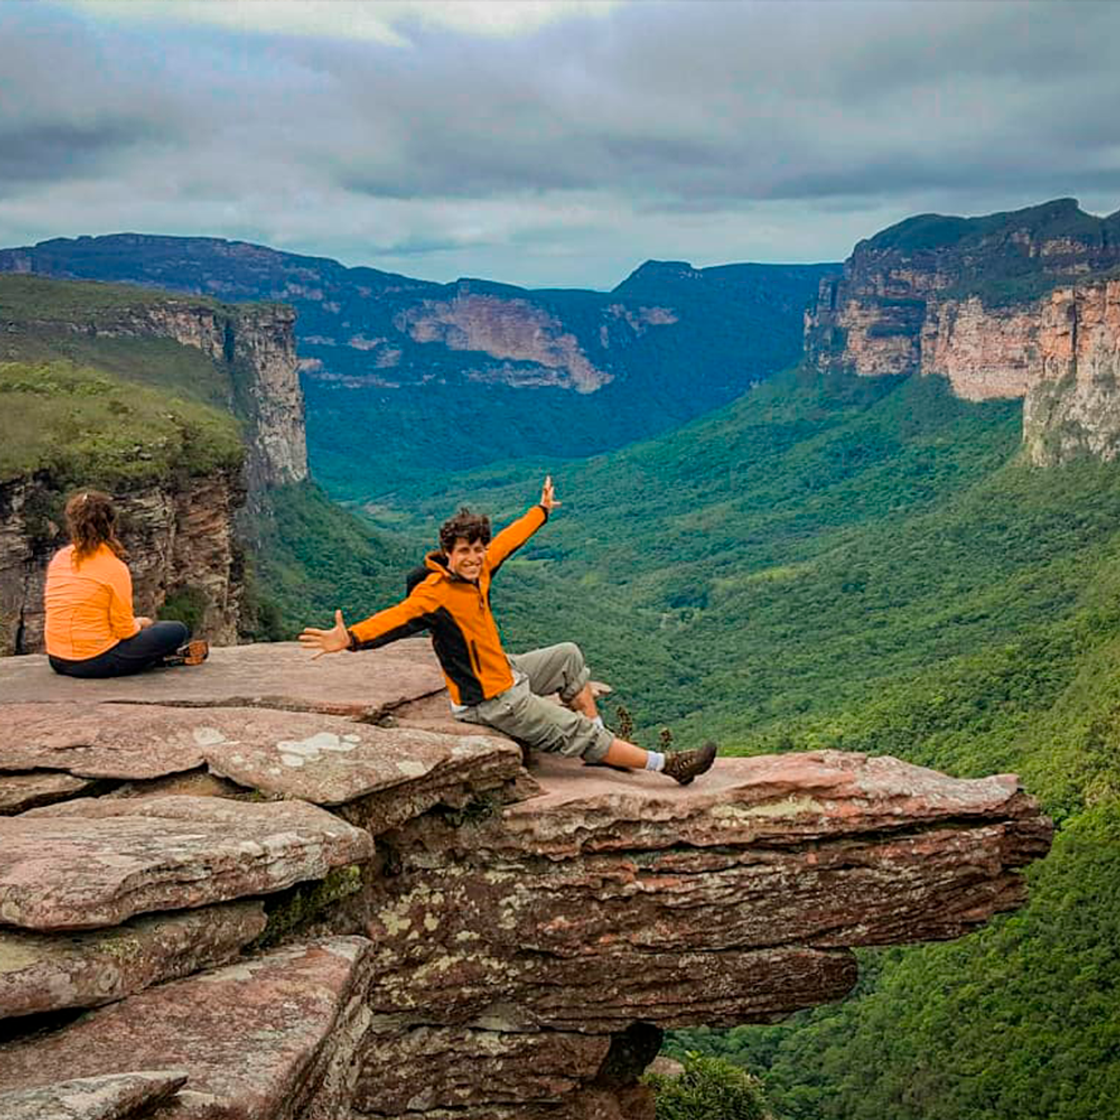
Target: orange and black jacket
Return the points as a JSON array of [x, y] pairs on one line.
[[457, 612]]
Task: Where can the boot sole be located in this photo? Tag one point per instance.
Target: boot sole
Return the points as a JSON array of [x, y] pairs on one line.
[[197, 652], [706, 765]]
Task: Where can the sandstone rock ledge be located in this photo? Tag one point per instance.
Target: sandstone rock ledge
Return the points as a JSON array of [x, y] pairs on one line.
[[279, 909]]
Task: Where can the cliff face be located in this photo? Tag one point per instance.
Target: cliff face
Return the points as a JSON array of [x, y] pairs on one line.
[[178, 537], [510, 329], [1016, 305], [254, 344], [467, 939], [487, 371], [180, 508]]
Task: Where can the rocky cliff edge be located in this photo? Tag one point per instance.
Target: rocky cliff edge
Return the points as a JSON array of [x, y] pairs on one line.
[[1018, 305], [288, 889]]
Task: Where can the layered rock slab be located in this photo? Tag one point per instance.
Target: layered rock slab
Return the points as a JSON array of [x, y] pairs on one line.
[[41, 973], [394, 773], [91, 863], [364, 685], [619, 897], [19, 792], [124, 1096], [429, 1067], [267, 1039]]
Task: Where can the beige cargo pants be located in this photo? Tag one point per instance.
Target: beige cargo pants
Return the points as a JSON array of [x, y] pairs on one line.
[[523, 713]]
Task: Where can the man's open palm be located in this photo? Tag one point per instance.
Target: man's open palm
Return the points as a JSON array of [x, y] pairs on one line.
[[326, 641], [548, 495]]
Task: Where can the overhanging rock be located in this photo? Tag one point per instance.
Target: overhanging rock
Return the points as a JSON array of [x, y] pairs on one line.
[[500, 944]]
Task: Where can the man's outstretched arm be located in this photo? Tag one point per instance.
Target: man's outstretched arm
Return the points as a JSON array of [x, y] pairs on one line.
[[514, 535], [406, 618]]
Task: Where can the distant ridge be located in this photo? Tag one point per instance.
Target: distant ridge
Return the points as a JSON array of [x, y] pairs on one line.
[[458, 375]]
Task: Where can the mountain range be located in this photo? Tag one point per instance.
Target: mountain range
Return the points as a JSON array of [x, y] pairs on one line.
[[407, 379], [901, 539]]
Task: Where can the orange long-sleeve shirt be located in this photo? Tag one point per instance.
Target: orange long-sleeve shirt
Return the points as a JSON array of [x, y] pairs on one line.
[[457, 612], [89, 606]]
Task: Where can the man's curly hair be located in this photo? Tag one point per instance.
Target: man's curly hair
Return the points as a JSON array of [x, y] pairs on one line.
[[470, 526]]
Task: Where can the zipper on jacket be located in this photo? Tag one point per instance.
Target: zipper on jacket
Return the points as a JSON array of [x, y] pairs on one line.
[[475, 661]]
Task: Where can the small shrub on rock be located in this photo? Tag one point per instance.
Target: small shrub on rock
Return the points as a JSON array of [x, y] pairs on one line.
[[708, 1089]]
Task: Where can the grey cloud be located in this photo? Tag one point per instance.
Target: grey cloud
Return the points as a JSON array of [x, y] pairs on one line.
[[735, 105], [675, 119], [60, 150]]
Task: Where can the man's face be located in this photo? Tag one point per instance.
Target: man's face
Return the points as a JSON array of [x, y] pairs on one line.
[[466, 557]]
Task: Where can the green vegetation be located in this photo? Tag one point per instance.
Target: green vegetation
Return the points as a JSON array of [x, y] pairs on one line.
[[37, 300], [1017, 1020], [298, 907], [871, 565], [313, 557], [990, 258], [1061, 217], [74, 425], [709, 1089]]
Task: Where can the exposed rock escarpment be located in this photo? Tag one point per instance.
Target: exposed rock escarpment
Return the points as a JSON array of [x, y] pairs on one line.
[[592, 370], [507, 328], [179, 517], [1014, 305], [177, 537], [489, 944]]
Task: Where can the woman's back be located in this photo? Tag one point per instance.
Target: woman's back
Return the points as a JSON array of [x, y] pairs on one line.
[[88, 604]]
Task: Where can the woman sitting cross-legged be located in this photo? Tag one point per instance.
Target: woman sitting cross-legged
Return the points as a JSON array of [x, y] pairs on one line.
[[91, 630]]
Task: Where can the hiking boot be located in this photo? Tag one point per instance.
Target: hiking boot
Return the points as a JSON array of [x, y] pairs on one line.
[[193, 653], [683, 766]]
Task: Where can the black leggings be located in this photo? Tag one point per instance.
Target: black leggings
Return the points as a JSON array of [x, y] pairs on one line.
[[133, 655]]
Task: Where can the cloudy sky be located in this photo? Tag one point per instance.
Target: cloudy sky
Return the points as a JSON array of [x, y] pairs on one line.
[[548, 143]]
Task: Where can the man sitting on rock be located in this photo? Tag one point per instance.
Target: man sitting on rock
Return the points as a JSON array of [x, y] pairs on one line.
[[487, 686]]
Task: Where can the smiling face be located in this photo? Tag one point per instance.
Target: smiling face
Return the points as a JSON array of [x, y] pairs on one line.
[[465, 558]]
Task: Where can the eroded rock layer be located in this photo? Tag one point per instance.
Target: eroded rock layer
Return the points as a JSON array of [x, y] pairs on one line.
[[441, 935], [1021, 305]]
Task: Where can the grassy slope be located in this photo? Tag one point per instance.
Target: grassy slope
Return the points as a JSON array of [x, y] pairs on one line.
[[115, 412], [83, 425], [124, 412], [870, 565], [314, 557]]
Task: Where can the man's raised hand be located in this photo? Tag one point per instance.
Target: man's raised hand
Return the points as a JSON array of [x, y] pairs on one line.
[[326, 641], [548, 497]]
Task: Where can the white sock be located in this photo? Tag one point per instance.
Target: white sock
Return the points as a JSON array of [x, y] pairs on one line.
[[655, 760], [598, 721]]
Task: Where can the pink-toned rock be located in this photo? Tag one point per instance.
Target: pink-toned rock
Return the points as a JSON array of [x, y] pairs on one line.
[[89, 740], [634, 1102], [616, 897], [40, 972], [327, 760], [333, 762], [787, 799], [122, 1096], [604, 991], [267, 1039], [281, 675], [19, 792], [89, 864]]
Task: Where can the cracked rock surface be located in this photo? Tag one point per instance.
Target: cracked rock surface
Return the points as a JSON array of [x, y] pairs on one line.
[[509, 945], [92, 863]]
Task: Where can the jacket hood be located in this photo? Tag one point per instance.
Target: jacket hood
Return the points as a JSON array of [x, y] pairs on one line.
[[437, 562]]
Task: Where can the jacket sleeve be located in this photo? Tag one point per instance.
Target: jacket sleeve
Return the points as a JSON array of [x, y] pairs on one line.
[[122, 622], [513, 536], [408, 617]]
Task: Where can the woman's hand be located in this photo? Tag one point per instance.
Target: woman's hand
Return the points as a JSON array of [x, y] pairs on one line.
[[548, 497], [143, 621], [326, 641]]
